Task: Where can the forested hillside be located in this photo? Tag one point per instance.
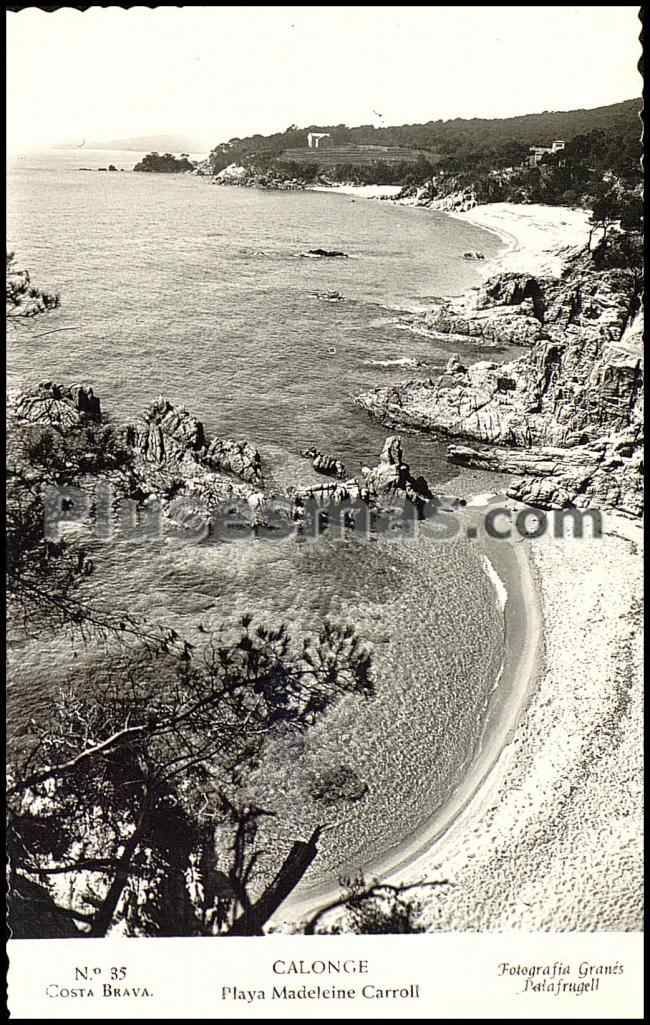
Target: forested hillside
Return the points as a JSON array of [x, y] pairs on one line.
[[461, 144]]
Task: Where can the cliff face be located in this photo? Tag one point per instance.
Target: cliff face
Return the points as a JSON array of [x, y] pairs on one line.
[[578, 389]]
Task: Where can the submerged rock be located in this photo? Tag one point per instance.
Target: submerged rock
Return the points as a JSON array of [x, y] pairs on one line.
[[339, 784], [329, 297], [331, 253]]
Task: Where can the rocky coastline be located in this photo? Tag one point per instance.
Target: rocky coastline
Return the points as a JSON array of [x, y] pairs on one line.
[[165, 457], [566, 418], [246, 177]]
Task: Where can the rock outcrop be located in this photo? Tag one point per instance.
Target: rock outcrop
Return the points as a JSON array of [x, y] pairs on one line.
[[509, 309], [580, 386], [237, 457], [322, 463], [456, 201], [165, 460], [379, 486], [392, 474], [453, 193], [331, 254], [169, 435], [57, 405], [233, 174], [390, 477], [327, 494], [248, 177], [605, 474], [166, 433], [192, 475]]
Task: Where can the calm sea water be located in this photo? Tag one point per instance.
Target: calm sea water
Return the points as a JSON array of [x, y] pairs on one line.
[[173, 285]]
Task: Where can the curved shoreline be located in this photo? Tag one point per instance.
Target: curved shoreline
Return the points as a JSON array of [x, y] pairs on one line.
[[511, 243], [515, 685], [534, 235]]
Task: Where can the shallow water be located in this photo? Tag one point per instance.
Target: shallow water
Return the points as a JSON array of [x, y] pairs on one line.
[[173, 285]]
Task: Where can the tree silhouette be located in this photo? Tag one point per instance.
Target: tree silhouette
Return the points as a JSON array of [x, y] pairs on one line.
[[124, 790], [606, 210]]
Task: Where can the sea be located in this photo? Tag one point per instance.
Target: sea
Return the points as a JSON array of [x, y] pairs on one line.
[[172, 285]]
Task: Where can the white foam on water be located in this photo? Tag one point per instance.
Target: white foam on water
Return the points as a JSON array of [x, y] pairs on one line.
[[480, 500], [405, 362], [496, 581]]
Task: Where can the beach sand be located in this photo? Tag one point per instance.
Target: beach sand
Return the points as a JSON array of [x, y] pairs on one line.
[[553, 840], [361, 191], [545, 832], [536, 236]]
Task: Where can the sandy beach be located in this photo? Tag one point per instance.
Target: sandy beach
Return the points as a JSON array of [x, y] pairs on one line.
[[536, 236], [545, 830], [553, 838], [360, 191]]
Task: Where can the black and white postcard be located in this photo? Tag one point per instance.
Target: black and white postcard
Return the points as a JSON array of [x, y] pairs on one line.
[[323, 512]]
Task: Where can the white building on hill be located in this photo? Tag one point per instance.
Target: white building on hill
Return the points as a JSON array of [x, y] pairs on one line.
[[537, 152], [314, 138]]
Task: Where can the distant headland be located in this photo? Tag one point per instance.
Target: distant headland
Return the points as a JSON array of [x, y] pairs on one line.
[[142, 144]]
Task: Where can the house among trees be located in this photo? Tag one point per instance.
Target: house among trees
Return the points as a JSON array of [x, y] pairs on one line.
[[537, 152]]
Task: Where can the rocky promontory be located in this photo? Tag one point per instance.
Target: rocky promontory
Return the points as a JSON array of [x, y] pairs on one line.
[[509, 309], [165, 457], [567, 415], [247, 177], [173, 457]]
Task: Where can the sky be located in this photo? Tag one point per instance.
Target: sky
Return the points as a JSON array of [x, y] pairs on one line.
[[213, 73]]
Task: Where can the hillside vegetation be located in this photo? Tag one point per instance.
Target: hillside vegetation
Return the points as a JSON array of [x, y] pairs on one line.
[[456, 144], [165, 163]]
